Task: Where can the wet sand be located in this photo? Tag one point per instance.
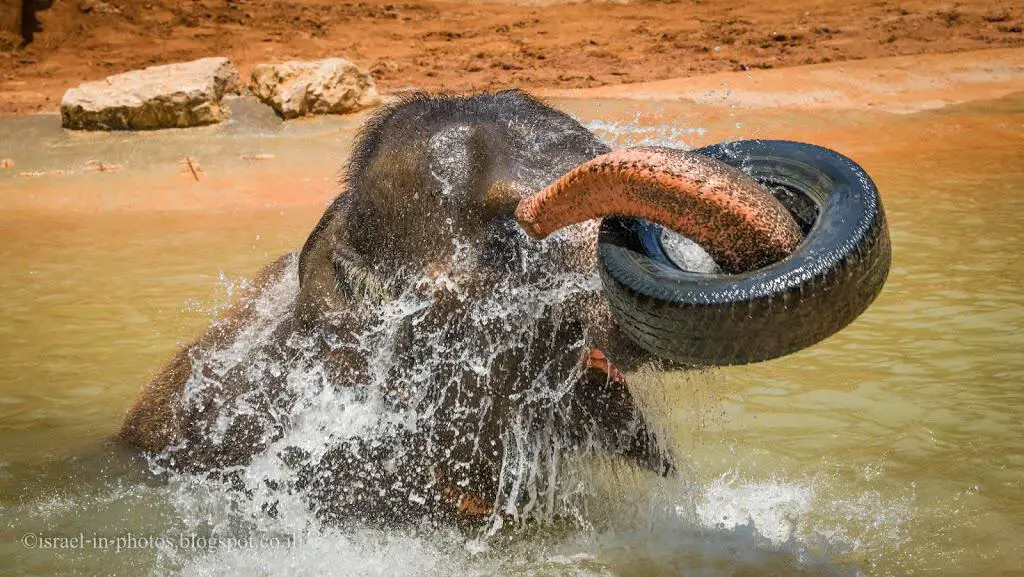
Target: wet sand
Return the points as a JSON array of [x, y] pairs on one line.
[[256, 161], [899, 84]]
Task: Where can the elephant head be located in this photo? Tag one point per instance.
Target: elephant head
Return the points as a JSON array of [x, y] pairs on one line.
[[425, 286]]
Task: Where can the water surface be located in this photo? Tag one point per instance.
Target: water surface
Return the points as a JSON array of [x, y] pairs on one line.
[[895, 447]]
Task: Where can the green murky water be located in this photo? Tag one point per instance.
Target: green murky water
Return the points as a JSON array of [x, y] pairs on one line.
[[895, 447]]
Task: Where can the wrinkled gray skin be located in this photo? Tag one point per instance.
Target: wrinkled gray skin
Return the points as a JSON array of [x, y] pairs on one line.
[[426, 176], [428, 160]]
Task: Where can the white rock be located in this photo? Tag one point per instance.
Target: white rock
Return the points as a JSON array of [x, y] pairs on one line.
[[168, 96], [297, 88]]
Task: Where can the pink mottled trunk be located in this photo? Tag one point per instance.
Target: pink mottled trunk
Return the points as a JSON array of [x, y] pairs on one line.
[[722, 209]]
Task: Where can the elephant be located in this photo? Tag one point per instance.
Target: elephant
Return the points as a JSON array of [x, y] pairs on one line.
[[488, 355]]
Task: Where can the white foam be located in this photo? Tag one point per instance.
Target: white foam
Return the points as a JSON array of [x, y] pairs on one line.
[[772, 508], [637, 133]]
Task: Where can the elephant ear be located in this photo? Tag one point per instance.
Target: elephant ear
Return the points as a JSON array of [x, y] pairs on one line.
[[356, 280], [333, 276]]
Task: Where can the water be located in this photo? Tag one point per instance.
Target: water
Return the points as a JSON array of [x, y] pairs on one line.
[[895, 447]]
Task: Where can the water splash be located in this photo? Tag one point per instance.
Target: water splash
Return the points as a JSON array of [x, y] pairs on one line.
[[637, 132], [466, 368]]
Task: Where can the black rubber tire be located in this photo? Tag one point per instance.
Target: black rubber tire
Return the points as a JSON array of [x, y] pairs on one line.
[[718, 319]]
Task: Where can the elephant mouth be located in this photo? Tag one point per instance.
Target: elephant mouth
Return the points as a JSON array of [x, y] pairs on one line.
[[729, 214]]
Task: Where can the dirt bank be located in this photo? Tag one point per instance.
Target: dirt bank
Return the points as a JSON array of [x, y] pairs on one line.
[[241, 169], [486, 45]]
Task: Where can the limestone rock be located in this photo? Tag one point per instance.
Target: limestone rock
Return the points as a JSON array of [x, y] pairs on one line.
[[329, 86], [169, 96]]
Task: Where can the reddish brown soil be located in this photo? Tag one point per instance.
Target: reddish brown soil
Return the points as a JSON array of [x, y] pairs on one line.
[[485, 45]]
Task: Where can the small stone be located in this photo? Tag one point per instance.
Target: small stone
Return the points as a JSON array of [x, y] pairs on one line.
[[6, 163], [299, 88], [97, 6], [168, 96]]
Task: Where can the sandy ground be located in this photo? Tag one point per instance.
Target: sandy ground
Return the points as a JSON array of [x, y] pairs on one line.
[[840, 105], [486, 45]]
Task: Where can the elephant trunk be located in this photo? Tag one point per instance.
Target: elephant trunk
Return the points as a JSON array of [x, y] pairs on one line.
[[739, 223]]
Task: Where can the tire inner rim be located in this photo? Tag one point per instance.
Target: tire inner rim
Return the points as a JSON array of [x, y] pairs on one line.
[[686, 254]]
